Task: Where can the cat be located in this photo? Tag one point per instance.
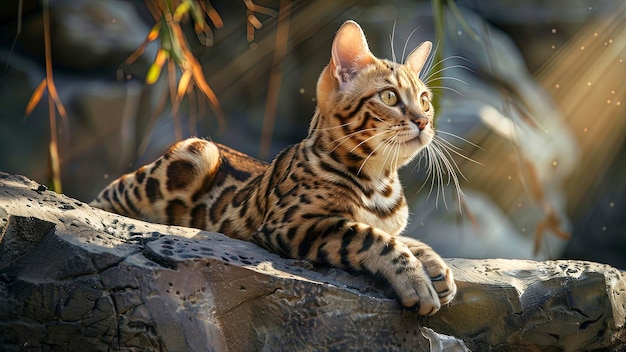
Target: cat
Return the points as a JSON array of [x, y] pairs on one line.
[[334, 198]]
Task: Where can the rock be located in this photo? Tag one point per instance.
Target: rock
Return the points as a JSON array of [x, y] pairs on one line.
[[90, 40], [89, 35], [74, 277]]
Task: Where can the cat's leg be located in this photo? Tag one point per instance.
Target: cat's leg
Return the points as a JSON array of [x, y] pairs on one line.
[[356, 247], [164, 190], [439, 273]]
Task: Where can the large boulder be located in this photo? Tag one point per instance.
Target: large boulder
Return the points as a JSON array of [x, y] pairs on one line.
[[77, 278]]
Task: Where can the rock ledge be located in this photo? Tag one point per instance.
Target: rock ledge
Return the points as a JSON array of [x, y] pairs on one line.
[[74, 277]]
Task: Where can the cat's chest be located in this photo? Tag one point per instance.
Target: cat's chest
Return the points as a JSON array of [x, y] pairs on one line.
[[384, 210]]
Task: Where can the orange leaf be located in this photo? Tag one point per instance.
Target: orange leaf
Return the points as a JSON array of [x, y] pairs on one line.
[[254, 21], [553, 223], [36, 97], [152, 36], [198, 77], [215, 18], [183, 84], [171, 79], [52, 89]]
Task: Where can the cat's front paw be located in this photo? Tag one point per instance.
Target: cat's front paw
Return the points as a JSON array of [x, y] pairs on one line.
[[438, 272], [440, 275], [443, 283], [415, 291], [421, 279]]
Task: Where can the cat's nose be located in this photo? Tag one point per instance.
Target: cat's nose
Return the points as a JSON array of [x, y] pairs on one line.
[[421, 122]]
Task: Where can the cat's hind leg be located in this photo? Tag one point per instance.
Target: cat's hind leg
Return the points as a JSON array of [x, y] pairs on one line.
[[166, 190]]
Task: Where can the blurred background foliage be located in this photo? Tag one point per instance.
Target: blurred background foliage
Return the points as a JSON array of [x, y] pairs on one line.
[[538, 86]]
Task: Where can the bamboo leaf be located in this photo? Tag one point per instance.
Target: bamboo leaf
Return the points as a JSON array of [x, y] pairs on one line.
[[152, 36], [35, 98], [177, 40], [214, 16], [183, 84], [201, 83], [55, 166], [181, 10], [52, 89], [198, 16], [154, 72]]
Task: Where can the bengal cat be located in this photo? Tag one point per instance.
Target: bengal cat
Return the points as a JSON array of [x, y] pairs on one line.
[[334, 198]]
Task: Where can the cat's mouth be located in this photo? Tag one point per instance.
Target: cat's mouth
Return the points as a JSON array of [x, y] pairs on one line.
[[420, 138], [417, 139]]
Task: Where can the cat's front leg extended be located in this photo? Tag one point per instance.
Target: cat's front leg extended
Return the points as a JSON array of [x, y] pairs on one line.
[[358, 247]]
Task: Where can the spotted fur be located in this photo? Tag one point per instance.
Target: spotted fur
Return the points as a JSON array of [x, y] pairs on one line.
[[334, 198]]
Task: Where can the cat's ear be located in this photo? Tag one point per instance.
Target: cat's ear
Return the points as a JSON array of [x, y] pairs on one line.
[[417, 58], [350, 53]]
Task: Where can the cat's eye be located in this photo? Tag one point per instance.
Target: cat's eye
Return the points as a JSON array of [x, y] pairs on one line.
[[425, 102], [389, 97]]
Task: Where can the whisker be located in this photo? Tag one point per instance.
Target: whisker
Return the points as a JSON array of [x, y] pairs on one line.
[[447, 142], [347, 137], [383, 121], [455, 179], [447, 88], [440, 178], [335, 127], [367, 139], [397, 147], [386, 152], [446, 77], [458, 137], [430, 67], [370, 154], [423, 156], [437, 160], [449, 161], [391, 37], [443, 159], [440, 163], [407, 42], [430, 74], [430, 169], [393, 151], [452, 57], [452, 148]]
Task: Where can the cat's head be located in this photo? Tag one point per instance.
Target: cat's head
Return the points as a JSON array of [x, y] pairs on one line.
[[382, 106]]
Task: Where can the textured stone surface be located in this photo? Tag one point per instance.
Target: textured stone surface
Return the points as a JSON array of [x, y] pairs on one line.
[[73, 277]]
